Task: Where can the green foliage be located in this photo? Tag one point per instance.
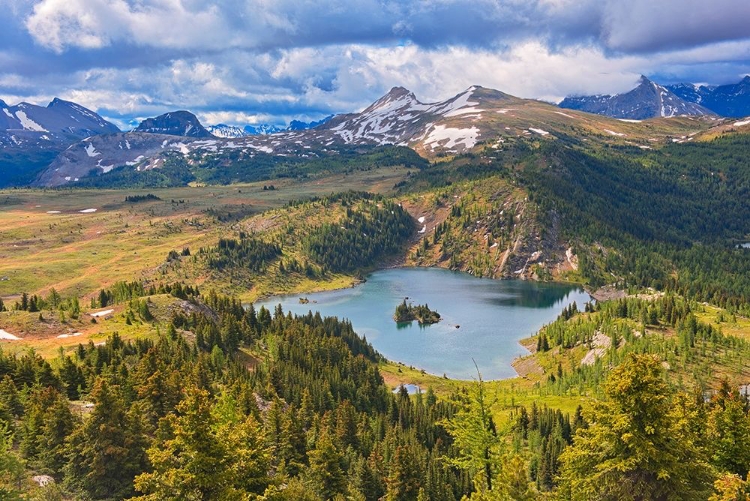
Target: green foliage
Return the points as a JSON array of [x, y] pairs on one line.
[[729, 432], [248, 252], [108, 450], [475, 434], [640, 443], [678, 209], [422, 313], [174, 172], [205, 453], [730, 487], [11, 466], [134, 199], [47, 422], [374, 230]]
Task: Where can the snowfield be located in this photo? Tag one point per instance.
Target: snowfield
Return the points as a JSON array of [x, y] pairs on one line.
[[29, 124], [447, 137]]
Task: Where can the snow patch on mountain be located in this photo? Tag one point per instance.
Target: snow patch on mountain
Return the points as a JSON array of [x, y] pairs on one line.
[[448, 137], [91, 151], [29, 124], [459, 105], [541, 132], [227, 131]]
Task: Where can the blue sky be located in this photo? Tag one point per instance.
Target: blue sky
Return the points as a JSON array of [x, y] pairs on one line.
[[270, 61]]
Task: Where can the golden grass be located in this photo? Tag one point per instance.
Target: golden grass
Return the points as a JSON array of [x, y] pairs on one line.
[[80, 253]]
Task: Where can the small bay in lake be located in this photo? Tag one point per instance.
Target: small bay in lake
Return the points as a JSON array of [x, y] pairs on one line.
[[482, 319]]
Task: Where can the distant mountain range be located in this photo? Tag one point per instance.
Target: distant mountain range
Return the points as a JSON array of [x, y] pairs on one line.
[[647, 100], [70, 142], [731, 100], [650, 100], [233, 131]]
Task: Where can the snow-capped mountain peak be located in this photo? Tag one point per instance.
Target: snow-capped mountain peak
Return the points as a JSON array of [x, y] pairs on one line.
[[224, 130], [647, 100]]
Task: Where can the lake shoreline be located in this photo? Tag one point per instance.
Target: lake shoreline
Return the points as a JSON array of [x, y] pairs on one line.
[[494, 316]]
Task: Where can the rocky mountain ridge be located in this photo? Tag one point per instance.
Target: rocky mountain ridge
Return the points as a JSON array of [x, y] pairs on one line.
[[61, 122], [647, 100], [234, 131], [731, 100]]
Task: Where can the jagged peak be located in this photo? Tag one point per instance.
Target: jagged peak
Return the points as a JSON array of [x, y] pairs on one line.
[[399, 91], [396, 98], [57, 101]]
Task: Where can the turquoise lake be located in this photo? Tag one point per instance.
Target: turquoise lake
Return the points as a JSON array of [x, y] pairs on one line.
[[493, 316]]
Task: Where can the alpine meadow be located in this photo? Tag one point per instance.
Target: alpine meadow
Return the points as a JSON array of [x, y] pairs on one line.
[[218, 227]]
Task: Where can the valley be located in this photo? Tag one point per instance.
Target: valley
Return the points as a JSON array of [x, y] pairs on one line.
[[254, 290]]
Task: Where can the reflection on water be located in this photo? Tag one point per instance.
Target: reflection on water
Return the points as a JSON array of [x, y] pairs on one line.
[[482, 319], [528, 294]]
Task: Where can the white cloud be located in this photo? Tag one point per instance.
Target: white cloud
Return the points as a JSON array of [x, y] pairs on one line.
[[237, 60]]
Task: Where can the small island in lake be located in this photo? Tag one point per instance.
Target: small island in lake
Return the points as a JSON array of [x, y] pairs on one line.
[[421, 313]]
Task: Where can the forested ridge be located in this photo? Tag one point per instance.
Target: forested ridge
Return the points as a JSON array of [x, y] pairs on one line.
[[673, 217], [179, 419]]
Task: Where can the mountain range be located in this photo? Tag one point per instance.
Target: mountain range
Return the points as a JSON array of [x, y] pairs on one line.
[[731, 100], [233, 131], [477, 119], [69, 142], [649, 100]]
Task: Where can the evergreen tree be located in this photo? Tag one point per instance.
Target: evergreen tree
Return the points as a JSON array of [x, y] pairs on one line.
[[475, 435], [405, 474], [107, 451], [729, 435], [638, 446], [11, 466], [326, 470]]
